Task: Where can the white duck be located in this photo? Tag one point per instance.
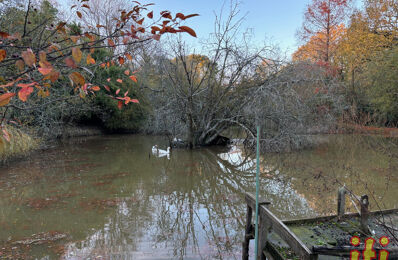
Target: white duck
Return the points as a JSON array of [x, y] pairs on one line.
[[164, 152], [160, 153], [155, 149]]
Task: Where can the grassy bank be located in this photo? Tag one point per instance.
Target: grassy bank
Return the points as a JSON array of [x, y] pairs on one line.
[[20, 144]]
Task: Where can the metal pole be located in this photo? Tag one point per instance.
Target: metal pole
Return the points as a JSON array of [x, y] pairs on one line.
[[257, 191]]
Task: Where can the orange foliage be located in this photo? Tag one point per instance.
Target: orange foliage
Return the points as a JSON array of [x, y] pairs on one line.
[[314, 49]]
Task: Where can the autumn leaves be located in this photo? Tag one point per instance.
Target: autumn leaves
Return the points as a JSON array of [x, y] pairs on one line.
[[42, 57], [63, 53]]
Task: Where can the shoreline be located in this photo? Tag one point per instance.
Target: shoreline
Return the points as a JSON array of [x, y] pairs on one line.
[[23, 144], [27, 143]]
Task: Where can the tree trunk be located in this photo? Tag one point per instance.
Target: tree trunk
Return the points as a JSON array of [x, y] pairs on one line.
[[190, 125]]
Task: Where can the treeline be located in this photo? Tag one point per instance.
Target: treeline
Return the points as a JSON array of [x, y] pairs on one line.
[[361, 46], [75, 66], [106, 67]]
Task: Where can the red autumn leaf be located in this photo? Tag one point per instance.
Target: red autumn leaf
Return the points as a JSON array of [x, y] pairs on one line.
[[154, 29], [4, 35], [24, 93], [5, 98], [74, 38], [156, 37], [3, 54], [6, 135], [125, 93], [20, 65], [45, 64], [25, 85], [53, 76], [29, 57], [150, 15], [91, 37], [120, 104], [70, 63], [85, 87], [86, 6], [77, 54], [128, 56], [90, 60], [107, 88], [60, 27], [121, 60], [127, 72], [120, 81], [133, 78], [108, 79], [79, 14], [45, 71], [77, 78], [140, 21], [7, 85], [166, 14], [127, 100], [42, 56], [111, 43], [95, 88], [10, 83], [135, 101], [181, 16], [117, 91], [188, 30], [102, 65], [191, 15]]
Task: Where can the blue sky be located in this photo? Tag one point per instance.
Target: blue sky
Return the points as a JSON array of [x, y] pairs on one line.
[[274, 20], [277, 20]]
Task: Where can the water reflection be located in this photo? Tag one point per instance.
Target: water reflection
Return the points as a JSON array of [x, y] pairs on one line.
[[115, 200]]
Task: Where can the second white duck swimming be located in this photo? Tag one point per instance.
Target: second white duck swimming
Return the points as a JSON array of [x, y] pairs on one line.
[[155, 149]]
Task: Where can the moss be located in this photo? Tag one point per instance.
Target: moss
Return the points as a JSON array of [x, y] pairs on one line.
[[20, 144]]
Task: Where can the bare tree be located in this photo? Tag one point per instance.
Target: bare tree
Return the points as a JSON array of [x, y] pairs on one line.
[[198, 97], [298, 100], [205, 92]]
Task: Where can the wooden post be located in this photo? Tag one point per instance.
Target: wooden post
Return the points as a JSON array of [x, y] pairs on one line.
[[263, 230], [341, 202], [248, 233], [249, 229], [365, 213]]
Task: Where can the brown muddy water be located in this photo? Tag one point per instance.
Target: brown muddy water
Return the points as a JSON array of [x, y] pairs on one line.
[[109, 198]]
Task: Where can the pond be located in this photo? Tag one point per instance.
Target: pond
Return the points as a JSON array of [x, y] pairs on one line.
[[109, 197]]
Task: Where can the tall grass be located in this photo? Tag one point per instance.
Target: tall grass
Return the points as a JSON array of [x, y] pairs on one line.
[[20, 144]]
